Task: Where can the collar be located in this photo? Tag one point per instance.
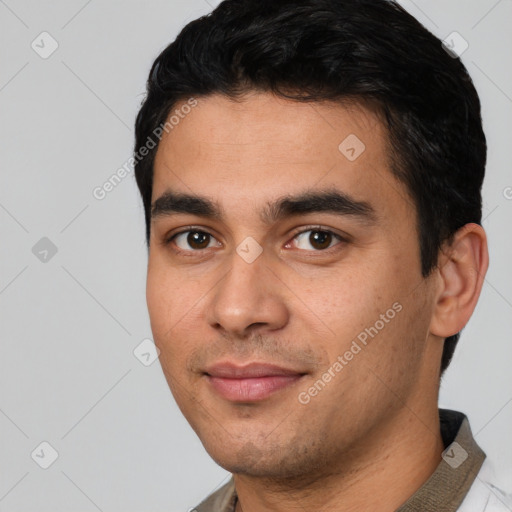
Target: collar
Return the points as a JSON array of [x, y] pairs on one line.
[[444, 491], [462, 458]]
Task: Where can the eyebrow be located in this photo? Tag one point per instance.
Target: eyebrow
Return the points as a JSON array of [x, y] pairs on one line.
[[328, 201]]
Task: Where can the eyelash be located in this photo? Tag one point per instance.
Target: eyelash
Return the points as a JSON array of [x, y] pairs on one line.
[[190, 229]]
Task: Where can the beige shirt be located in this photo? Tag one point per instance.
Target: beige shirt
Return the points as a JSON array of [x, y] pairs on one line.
[[444, 491]]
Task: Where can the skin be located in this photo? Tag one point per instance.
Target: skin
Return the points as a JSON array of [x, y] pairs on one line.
[[375, 425]]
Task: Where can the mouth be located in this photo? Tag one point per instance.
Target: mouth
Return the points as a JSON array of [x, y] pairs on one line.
[[250, 383]]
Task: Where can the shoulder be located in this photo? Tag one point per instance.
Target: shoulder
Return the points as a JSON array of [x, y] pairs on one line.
[[484, 496]]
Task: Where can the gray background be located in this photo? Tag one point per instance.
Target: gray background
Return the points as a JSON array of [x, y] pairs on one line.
[[70, 323]]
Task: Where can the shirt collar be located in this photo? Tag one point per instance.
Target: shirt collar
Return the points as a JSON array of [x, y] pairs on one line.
[[462, 458], [443, 491]]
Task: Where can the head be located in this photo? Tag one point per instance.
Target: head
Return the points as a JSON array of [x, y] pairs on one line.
[[311, 183]]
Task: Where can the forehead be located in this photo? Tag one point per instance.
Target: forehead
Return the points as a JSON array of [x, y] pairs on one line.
[[247, 151]]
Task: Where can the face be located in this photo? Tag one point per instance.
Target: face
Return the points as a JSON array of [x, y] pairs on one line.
[[284, 281]]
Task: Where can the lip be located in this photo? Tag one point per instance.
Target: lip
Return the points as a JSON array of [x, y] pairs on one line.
[[251, 382]]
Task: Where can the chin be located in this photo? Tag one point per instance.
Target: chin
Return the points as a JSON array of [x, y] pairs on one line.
[[274, 459]]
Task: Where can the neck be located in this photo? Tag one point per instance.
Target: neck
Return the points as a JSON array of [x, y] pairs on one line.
[[390, 465]]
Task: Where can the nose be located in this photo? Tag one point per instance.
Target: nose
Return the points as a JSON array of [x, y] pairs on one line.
[[248, 298]]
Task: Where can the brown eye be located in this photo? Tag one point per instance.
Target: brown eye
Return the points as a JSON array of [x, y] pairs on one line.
[[318, 239], [192, 240]]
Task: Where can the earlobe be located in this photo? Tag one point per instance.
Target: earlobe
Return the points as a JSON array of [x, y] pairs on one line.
[[461, 270]]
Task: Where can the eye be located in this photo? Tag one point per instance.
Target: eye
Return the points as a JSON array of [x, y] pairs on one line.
[[192, 240], [316, 239]]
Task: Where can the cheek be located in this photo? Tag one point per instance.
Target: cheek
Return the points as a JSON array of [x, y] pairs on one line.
[[159, 300], [348, 301], [373, 302], [174, 305], [164, 297]]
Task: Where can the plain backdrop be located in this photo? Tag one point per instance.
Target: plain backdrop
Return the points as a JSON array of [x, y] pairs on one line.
[[72, 275]]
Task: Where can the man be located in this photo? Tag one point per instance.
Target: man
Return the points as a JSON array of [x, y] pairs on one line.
[[313, 219]]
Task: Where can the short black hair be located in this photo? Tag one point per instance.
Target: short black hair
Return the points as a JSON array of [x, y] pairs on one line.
[[314, 50]]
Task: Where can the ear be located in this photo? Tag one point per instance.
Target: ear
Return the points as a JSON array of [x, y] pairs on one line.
[[461, 270]]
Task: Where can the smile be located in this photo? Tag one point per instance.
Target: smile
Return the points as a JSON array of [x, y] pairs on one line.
[[250, 383]]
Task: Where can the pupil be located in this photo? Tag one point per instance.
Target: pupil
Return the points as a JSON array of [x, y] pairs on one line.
[[197, 238], [320, 238]]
